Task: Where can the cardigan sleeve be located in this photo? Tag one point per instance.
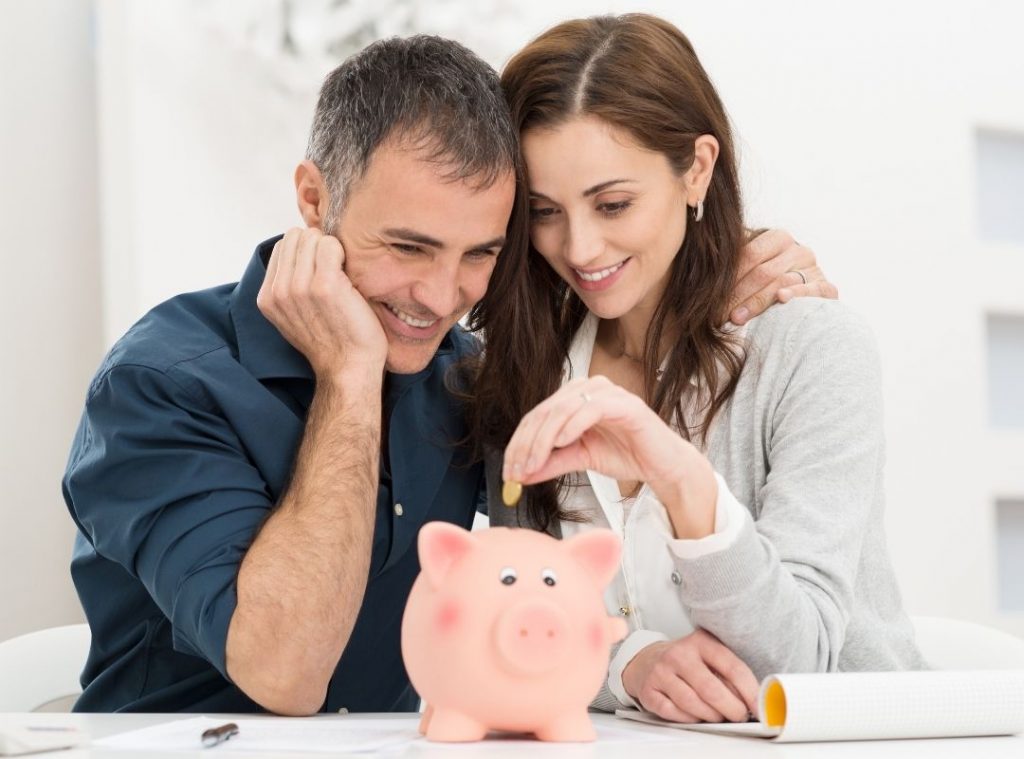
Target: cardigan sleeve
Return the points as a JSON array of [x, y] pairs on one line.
[[781, 596]]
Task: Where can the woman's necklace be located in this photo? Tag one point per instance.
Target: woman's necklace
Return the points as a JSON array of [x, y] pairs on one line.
[[620, 347], [624, 353]]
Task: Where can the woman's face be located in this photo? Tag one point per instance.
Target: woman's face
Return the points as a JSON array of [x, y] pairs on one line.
[[608, 215]]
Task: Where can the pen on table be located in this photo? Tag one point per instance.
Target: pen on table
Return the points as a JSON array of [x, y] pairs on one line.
[[217, 735]]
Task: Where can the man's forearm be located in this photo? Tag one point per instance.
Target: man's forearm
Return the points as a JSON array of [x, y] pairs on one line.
[[302, 581]]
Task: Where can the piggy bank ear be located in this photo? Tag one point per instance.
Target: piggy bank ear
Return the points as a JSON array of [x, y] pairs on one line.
[[440, 545], [598, 551]]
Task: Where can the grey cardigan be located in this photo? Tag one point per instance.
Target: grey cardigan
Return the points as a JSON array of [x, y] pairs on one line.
[[808, 585]]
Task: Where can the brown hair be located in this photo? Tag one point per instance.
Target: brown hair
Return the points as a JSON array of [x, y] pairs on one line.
[[640, 74]]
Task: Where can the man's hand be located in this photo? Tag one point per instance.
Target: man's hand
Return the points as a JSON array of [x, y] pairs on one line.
[[311, 301], [693, 679], [770, 270]]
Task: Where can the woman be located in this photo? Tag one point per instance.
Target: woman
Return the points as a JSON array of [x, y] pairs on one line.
[[743, 467]]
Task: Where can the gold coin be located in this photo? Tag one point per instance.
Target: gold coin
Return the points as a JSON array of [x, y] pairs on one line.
[[511, 492]]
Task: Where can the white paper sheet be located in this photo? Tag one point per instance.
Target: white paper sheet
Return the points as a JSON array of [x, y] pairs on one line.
[[281, 734], [327, 735], [745, 729]]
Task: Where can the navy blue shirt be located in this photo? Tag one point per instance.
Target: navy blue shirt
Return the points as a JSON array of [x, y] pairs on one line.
[[190, 429]]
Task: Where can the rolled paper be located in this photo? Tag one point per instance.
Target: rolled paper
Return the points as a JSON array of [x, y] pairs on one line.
[[852, 706], [511, 491]]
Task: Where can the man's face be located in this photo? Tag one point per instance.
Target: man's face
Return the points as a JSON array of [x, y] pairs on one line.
[[420, 248]]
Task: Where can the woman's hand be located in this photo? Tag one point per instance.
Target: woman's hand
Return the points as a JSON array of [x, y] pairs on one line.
[[594, 424], [693, 679]]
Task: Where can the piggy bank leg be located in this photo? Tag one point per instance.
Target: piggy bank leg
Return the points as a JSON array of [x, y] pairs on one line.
[[570, 727], [428, 712], [450, 726]]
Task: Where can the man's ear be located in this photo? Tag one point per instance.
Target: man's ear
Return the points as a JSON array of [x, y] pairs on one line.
[[311, 194], [698, 176]]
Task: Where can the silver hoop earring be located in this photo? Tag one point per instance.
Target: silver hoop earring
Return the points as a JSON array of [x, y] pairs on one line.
[[698, 211]]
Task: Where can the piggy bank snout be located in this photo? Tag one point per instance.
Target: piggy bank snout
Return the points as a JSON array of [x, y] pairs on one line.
[[532, 636]]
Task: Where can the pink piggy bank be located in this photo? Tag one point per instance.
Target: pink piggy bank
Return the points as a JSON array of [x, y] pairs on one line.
[[506, 629]]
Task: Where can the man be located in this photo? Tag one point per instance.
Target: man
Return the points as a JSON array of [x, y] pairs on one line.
[[254, 461]]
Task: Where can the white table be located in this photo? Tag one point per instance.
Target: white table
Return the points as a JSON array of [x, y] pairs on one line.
[[682, 744]]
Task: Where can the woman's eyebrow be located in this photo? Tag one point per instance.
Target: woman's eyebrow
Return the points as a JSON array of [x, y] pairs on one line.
[[604, 186], [586, 193]]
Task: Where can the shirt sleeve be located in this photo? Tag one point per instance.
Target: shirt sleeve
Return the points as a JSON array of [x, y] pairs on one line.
[[635, 642], [161, 485], [729, 518], [781, 595]]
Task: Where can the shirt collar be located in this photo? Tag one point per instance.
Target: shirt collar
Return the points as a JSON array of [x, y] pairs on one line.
[[262, 350], [581, 351]]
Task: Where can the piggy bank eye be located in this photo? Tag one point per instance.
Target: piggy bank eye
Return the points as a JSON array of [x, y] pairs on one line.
[[549, 577], [508, 576]]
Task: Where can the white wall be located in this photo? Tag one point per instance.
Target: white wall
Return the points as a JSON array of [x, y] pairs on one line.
[[857, 129], [859, 124], [50, 302]]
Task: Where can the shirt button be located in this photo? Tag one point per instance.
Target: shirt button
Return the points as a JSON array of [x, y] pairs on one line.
[[677, 579], [624, 611], [399, 510]]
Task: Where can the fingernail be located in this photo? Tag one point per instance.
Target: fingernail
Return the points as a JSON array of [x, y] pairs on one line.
[[741, 315]]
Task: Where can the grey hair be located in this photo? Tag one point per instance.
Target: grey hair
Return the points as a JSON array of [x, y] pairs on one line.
[[434, 93]]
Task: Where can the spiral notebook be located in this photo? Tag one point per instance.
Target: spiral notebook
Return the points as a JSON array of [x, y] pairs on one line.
[[850, 706]]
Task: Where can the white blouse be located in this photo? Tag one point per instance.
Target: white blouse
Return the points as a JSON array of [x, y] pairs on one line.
[[644, 591]]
